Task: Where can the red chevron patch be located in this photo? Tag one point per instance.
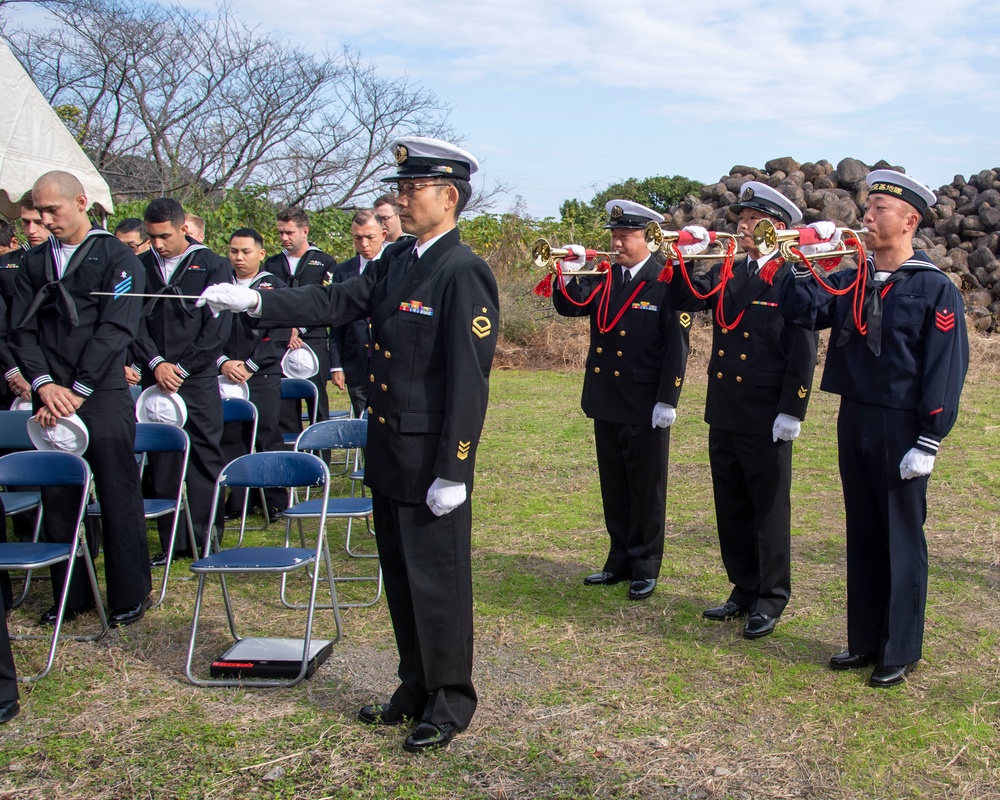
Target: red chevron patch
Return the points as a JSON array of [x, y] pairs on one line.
[[944, 320]]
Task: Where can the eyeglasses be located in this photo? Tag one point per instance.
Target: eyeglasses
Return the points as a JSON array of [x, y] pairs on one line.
[[408, 189], [385, 217]]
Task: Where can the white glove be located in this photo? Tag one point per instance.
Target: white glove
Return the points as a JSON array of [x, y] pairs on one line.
[[915, 464], [699, 233], [445, 496], [577, 260], [663, 415], [786, 428], [228, 297], [826, 230]]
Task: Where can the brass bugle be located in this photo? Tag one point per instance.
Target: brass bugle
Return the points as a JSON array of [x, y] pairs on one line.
[[545, 256], [658, 239], [767, 239]]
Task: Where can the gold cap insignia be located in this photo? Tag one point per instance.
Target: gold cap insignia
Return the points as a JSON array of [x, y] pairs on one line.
[[616, 212], [482, 327], [402, 154], [463, 450], [803, 391], [747, 194], [685, 320]]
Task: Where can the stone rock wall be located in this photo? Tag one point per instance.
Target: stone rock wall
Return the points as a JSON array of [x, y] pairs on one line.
[[961, 233]]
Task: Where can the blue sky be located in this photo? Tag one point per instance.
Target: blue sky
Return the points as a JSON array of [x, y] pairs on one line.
[[558, 99]]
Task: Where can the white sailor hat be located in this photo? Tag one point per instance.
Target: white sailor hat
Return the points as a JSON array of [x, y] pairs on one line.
[[155, 405], [21, 404], [68, 435], [230, 389], [762, 197], [888, 181], [421, 157], [300, 363], [626, 214]]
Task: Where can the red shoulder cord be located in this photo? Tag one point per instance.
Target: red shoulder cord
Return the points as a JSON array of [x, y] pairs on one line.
[[602, 266], [858, 285], [725, 273], [604, 289]]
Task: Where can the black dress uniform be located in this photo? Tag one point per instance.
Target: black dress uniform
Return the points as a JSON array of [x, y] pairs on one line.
[[434, 326], [260, 350], [9, 265], [351, 344], [177, 332], [64, 335], [315, 268], [637, 363], [904, 397], [759, 367]]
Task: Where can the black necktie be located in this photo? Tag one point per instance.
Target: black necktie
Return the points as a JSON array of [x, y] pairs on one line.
[[626, 278], [399, 274]]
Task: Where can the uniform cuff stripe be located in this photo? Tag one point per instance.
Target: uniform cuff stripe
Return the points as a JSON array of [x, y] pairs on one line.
[[41, 380], [82, 389]]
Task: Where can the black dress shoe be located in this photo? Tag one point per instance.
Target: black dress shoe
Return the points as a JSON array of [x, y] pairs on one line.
[[883, 677], [728, 610], [50, 616], [275, 514], [759, 624], [603, 579], [126, 616], [159, 560], [849, 660], [383, 714], [9, 710], [641, 589], [429, 736]]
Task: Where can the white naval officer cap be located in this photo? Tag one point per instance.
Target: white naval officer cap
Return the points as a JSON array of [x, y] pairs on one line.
[[423, 157], [761, 197], [888, 181], [627, 214]]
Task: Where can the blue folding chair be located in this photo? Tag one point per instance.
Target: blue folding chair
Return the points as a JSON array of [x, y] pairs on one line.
[[236, 409], [158, 437], [336, 434], [300, 389], [14, 437], [51, 469], [256, 470]]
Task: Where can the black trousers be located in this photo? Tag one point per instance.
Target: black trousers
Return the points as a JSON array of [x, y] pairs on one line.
[[632, 464], [886, 548], [359, 397], [427, 566], [110, 418], [265, 393], [204, 427], [8, 674], [291, 410], [751, 480]]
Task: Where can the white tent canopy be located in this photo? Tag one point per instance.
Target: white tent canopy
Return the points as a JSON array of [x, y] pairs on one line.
[[33, 141]]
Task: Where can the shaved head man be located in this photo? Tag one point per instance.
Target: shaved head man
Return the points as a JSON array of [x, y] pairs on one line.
[[71, 347]]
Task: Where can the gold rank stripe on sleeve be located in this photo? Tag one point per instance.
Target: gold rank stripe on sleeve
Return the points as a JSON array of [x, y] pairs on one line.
[[482, 327], [803, 391], [463, 450]]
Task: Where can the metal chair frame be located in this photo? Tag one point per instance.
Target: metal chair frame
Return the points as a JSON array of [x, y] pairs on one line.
[[46, 469], [257, 470]]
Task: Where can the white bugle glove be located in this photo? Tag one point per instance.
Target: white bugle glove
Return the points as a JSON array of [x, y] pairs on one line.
[[825, 230], [915, 464], [786, 428], [576, 260], [228, 297], [663, 415], [700, 246], [445, 496]]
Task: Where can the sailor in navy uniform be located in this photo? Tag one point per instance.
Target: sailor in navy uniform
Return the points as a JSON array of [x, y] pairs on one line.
[[434, 315], [71, 345], [178, 347], [898, 356], [635, 369], [253, 356], [301, 263], [760, 375]]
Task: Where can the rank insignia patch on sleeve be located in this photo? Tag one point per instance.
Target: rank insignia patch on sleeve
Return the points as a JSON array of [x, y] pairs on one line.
[[482, 327], [463, 450], [685, 320], [124, 286], [803, 391], [944, 320]]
